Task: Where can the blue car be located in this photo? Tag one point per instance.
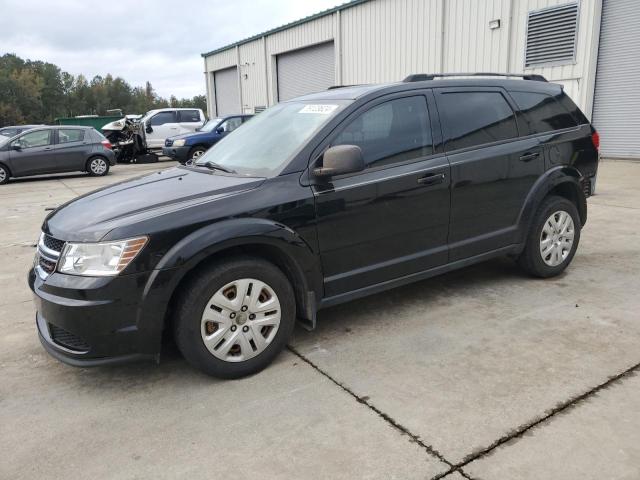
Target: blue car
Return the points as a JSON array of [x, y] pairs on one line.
[[189, 146]]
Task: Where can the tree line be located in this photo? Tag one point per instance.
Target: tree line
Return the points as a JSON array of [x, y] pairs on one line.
[[38, 92]]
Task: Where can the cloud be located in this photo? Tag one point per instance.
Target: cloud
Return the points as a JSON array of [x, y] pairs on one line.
[[155, 40]]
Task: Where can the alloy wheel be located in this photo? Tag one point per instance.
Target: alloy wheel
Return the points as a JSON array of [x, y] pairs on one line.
[[3, 174], [240, 320], [98, 166], [197, 154], [556, 239]]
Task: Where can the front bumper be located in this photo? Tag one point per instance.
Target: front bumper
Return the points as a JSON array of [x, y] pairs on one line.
[[90, 321], [180, 154]]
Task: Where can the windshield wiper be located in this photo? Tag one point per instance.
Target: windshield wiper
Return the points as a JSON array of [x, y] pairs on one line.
[[214, 166]]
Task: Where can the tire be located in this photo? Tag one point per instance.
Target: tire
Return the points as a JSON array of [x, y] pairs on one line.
[[205, 311], [195, 153], [98, 166], [4, 174], [547, 251]]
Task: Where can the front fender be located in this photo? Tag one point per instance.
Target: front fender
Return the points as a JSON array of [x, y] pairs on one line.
[[565, 176]]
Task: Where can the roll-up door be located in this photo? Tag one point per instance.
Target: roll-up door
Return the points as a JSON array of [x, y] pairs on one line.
[[616, 106], [226, 91], [307, 70]]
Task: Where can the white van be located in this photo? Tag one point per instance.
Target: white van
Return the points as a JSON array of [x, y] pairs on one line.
[[168, 122]]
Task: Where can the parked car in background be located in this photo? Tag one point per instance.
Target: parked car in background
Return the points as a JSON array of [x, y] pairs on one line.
[[319, 200], [157, 125], [54, 150], [12, 131], [190, 146]]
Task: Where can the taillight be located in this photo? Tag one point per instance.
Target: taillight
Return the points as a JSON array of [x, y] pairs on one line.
[[106, 144], [595, 138]]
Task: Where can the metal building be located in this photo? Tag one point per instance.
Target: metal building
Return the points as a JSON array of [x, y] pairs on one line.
[[372, 41]]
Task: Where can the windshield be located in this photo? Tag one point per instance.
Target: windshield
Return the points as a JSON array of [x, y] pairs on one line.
[[210, 125], [263, 146]]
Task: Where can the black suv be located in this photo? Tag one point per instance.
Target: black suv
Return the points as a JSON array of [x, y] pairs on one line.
[[319, 200]]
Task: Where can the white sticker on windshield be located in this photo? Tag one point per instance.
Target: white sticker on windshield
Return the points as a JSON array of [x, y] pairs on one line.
[[321, 109]]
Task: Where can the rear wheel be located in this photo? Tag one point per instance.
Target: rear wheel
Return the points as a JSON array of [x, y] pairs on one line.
[[553, 239], [4, 174], [235, 317], [97, 167]]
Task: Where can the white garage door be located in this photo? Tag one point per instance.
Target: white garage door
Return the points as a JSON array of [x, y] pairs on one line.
[[227, 95], [307, 70], [616, 107]]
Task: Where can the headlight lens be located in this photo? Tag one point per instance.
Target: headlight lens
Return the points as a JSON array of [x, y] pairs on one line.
[[99, 259], [179, 143]]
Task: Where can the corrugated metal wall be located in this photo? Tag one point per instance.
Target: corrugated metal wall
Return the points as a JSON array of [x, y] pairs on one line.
[[385, 40], [616, 112]]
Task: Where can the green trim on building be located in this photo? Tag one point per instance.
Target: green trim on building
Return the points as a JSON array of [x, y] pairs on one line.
[[323, 13]]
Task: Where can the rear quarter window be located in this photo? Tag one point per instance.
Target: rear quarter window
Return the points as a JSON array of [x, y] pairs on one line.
[[542, 112], [475, 118]]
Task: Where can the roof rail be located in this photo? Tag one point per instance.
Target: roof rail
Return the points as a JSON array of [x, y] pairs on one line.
[[420, 77], [333, 87]]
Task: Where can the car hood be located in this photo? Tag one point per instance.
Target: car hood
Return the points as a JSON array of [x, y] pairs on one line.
[[195, 136], [92, 216]]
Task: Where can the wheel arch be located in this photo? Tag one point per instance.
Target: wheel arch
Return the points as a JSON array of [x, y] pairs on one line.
[[563, 181], [260, 238]]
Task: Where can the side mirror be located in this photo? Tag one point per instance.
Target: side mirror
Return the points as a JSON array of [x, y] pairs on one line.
[[16, 146], [148, 128], [339, 160], [220, 130]]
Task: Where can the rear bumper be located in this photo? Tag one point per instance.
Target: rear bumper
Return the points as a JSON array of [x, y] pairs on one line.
[[180, 154]]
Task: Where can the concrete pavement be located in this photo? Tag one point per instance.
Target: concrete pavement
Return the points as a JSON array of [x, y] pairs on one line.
[[482, 373]]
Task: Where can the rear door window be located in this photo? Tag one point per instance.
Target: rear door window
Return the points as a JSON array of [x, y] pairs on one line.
[[189, 116], [70, 135], [542, 112], [392, 132], [475, 118]]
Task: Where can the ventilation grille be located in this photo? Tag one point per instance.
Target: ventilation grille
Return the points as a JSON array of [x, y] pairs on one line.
[[260, 109], [551, 35]]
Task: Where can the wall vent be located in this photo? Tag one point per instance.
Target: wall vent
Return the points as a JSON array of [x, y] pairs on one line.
[[551, 35], [259, 109]]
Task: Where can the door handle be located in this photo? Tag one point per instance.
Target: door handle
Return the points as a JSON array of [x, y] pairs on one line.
[[529, 156], [47, 148], [431, 179]]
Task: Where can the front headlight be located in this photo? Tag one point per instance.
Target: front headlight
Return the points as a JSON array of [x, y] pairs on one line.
[[179, 143], [99, 259]]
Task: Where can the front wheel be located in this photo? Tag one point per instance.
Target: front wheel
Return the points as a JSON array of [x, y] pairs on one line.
[[235, 317], [553, 238], [4, 174], [195, 153], [98, 167]]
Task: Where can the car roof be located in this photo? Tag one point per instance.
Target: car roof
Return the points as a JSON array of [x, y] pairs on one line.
[[358, 91]]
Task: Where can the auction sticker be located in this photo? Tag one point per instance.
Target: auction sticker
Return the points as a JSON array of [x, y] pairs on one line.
[[321, 109]]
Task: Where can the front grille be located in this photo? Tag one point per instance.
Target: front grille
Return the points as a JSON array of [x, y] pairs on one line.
[[67, 339], [52, 243], [168, 142], [46, 265], [48, 253]]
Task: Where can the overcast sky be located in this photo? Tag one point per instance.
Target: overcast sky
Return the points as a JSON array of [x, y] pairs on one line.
[[156, 40]]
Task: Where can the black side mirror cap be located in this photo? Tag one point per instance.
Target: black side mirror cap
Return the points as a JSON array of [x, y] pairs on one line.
[[219, 130], [339, 160]]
